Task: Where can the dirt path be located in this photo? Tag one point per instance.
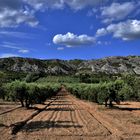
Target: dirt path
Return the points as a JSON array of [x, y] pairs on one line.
[[68, 118], [65, 118]]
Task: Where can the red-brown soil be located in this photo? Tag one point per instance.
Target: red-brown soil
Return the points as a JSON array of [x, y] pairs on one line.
[[68, 118]]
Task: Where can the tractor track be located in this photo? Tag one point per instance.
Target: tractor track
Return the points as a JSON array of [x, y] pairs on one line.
[[68, 118], [15, 128], [111, 129]]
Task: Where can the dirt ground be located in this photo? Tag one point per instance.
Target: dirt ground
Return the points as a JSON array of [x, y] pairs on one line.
[[68, 118], [6, 106]]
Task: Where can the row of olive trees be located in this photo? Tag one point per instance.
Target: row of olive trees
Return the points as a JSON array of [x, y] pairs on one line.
[[131, 88], [117, 91], [28, 93], [2, 93]]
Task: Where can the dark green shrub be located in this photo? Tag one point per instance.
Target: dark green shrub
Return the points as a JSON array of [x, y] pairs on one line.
[[30, 93], [17, 91], [103, 93], [32, 77], [99, 93], [126, 93], [2, 91]]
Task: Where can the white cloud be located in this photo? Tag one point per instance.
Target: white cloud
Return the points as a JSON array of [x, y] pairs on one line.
[[12, 4], [71, 40], [14, 46], [20, 35], [80, 4], [129, 30], [12, 14], [12, 18], [101, 32], [103, 43], [60, 4], [117, 11], [60, 48], [16, 12], [23, 51], [92, 12], [99, 43], [45, 4], [6, 55], [10, 45]]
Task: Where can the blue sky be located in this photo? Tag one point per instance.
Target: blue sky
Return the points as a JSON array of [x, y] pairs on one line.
[[74, 29]]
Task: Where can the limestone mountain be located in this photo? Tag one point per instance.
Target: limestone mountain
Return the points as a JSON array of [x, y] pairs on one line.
[[109, 65]]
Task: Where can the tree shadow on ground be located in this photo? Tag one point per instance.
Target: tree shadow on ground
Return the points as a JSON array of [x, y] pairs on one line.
[[3, 125], [37, 125], [55, 104], [62, 101], [124, 104], [125, 108], [59, 109], [9, 103]]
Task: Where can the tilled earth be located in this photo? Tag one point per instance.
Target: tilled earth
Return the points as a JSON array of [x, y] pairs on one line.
[[68, 118]]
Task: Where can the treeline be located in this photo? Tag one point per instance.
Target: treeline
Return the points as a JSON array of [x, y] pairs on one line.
[[9, 76], [124, 89], [28, 93], [96, 77], [59, 79]]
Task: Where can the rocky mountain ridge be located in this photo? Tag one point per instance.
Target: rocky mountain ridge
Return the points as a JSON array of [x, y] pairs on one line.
[[109, 65]]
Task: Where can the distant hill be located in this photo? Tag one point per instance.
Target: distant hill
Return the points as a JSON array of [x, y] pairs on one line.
[[109, 65]]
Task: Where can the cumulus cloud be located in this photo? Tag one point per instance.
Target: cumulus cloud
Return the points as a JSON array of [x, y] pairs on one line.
[[12, 4], [101, 32], [71, 40], [16, 12], [59, 4], [117, 11], [45, 4], [12, 14], [80, 4], [129, 30]]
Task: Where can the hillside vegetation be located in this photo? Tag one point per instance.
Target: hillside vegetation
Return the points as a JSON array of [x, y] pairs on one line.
[[36, 98], [31, 81], [110, 65]]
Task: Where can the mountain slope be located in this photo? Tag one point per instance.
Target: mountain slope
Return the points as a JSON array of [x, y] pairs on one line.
[[110, 65]]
